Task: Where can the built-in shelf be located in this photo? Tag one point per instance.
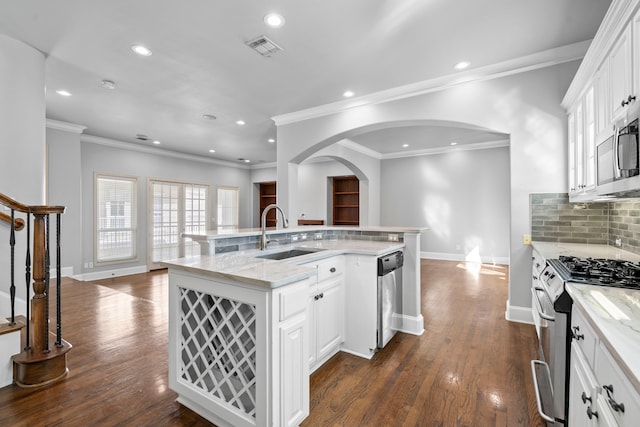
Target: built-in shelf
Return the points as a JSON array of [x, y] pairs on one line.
[[346, 200], [268, 197]]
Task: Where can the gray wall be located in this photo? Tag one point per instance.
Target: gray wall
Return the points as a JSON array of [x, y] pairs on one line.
[[65, 188], [462, 196], [112, 160]]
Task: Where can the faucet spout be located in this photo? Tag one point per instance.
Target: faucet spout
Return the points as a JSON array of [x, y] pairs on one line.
[[263, 240]]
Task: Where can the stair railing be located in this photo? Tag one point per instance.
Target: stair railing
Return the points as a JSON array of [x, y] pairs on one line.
[[37, 273]]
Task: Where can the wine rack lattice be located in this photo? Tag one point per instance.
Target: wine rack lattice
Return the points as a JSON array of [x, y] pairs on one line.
[[218, 347]]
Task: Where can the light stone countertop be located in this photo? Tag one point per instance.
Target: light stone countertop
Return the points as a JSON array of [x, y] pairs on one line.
[[615, 315], [244, 267], [554, 250]]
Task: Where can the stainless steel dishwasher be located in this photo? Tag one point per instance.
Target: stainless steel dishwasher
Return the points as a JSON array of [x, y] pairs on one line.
[[389, 294]]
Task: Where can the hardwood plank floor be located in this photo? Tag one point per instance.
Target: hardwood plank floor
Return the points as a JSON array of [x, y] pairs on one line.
[[469, 368]]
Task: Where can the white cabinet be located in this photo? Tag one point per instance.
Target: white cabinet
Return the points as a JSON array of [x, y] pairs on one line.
[[538, 264], [581, 128], [326, 311], [599, 392], [621, 74]]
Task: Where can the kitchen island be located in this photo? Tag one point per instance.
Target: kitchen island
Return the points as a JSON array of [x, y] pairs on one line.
[[245, 330]]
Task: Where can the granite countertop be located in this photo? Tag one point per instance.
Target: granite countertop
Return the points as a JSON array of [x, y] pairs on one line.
[[244, 267], [554, 250], [615, 315], [242, 232]]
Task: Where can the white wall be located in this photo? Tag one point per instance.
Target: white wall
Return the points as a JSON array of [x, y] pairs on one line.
[[525, 106], [462, 196], [98, 158], [65, 188], [22, 142], [312, 187]]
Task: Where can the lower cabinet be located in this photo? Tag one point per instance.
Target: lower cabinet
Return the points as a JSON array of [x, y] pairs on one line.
[[326, 311], [599, 392]]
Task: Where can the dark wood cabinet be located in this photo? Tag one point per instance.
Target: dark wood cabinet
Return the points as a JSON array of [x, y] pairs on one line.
[[346, 200], [268, 197]]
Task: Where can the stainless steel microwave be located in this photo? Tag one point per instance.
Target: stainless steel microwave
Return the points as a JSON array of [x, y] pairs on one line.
[[618, 161]]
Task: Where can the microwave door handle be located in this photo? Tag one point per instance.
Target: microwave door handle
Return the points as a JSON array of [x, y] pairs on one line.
[[541, 312], [617, 173]]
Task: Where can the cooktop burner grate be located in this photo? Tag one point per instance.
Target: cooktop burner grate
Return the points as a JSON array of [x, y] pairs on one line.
[[603, 272]]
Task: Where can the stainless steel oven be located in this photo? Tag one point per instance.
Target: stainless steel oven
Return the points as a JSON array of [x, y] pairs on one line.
[[553, 306]]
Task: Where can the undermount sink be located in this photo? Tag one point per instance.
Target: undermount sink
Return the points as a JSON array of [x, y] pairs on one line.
[[289, 253]]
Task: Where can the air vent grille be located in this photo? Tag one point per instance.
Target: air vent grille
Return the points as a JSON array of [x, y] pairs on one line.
[[263, 46]]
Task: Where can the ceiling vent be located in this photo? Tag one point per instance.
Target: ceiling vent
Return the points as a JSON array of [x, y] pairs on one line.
[[263, 46]]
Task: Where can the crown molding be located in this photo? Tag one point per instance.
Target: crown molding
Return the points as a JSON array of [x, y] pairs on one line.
[[65, 126], [523, 64], [352, 145], [614, 22], [448, 149], [268, 165], [157, 151]]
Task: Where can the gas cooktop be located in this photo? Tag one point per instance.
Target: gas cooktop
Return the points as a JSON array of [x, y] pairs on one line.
[[601, 272]]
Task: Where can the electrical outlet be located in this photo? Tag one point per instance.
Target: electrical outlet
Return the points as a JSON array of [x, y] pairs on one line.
[[526, 239], [317, 236], [618, 242], [294, 238], [86, 265], [90, 265], [303, 236], [393, 237]]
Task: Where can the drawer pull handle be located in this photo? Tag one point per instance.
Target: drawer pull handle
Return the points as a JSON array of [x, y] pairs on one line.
[[591, 413], [576, 335], [332, 270], [585, 398], [618, 407]]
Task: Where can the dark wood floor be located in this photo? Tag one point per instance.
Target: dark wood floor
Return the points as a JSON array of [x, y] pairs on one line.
[[469, 368]]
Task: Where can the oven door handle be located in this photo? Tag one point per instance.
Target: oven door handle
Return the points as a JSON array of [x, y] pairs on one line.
[[537, 387], [540, 311]]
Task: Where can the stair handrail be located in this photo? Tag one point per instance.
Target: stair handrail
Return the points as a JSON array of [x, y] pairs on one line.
[[37, 269]]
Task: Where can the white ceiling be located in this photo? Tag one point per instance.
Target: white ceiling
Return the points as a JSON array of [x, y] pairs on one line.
[[200, 64]]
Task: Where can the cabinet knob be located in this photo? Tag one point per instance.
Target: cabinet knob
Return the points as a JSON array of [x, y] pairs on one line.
[[585, 397], [624, 102], [332, 270], [591, 413], [631, 98], [576, 335]]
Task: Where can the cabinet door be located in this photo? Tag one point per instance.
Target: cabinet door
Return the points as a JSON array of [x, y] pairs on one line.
[[582, 391], [330, 318], [604, 128], [571, 131], [621, 73], [294, 372], [589, 140]]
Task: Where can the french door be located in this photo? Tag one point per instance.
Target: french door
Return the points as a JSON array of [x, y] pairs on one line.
[[175, 208]]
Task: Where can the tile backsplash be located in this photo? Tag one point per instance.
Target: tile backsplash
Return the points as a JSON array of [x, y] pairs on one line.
[[555, 219]]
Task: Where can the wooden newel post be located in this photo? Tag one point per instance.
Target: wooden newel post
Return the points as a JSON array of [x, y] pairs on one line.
[[40, 322]]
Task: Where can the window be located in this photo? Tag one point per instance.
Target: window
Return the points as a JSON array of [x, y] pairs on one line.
[[227, 208], [116, 218]]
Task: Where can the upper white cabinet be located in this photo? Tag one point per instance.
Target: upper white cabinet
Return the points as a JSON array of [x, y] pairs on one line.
[[602, 91], [621, 74]]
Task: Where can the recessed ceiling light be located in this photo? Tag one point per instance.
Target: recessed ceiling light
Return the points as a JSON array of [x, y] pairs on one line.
[[141, 50], [274, 20], [453, 143], [271, 140], [240, 122], [247, 161], [348, 94], [405, 145], [63, 92], [209, 117], [108, 84], [461, 65], [156, 142], [212, 151]]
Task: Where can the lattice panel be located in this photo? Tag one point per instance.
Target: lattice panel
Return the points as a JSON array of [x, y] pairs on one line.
[[218, 347]]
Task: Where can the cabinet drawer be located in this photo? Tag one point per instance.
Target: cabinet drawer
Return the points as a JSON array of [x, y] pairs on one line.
[[616, 389], [331, 267], [293, 299], [584, 336]]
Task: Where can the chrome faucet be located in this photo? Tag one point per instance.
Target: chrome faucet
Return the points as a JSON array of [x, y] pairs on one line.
[[263, 240]]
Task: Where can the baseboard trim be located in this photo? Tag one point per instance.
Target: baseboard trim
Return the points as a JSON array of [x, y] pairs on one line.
[[5, 305], [443, 256], [408, 324], [518, 314], [99, 275], [65, 272]]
